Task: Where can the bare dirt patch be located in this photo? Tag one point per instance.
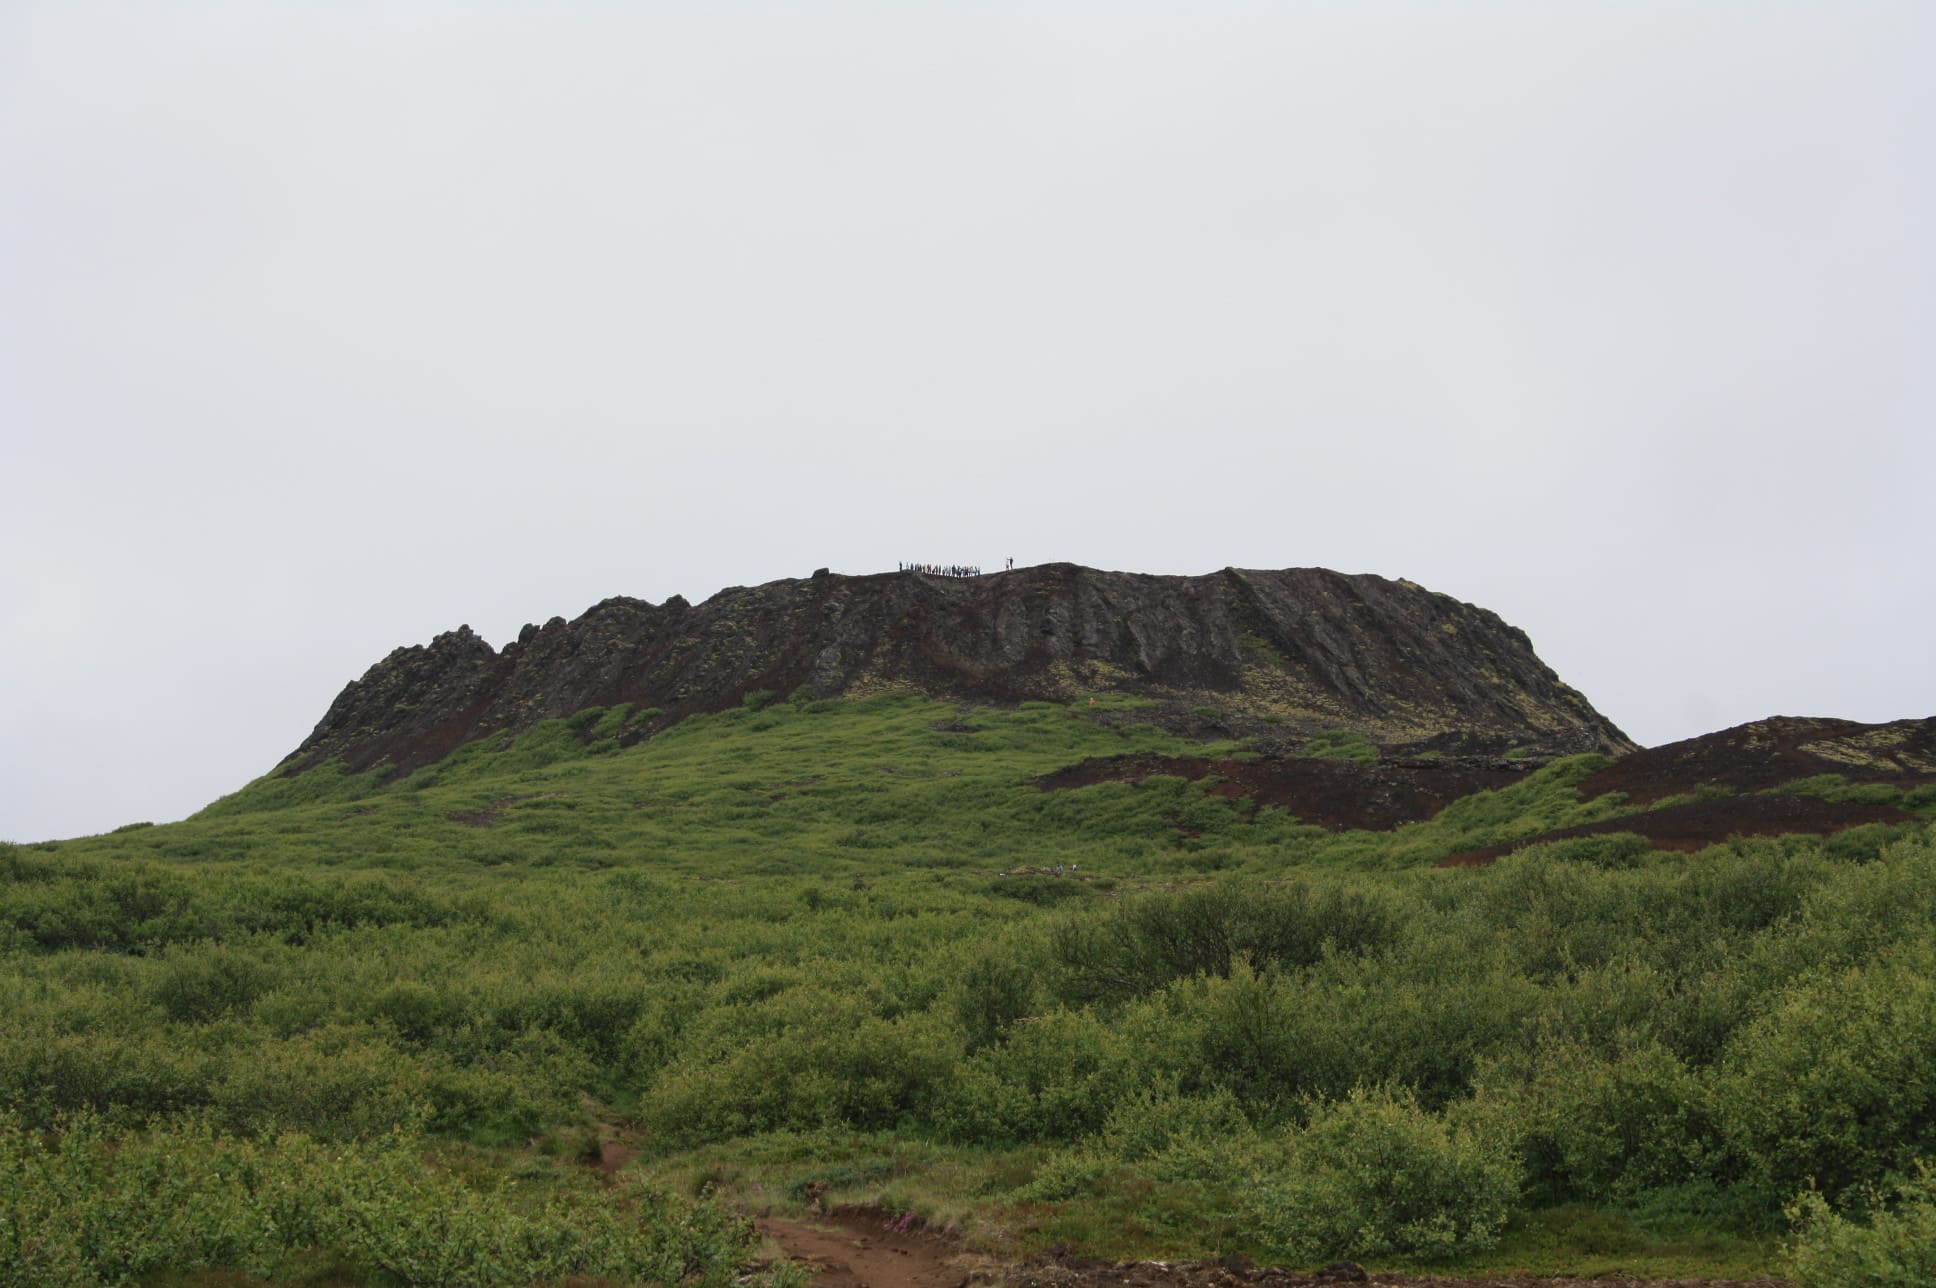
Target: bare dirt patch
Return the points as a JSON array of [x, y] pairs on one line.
[[1051, 1272], [858, 1247], [864, 1247]]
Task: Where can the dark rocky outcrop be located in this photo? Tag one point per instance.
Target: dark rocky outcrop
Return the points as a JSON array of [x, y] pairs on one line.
[[1304, 648], [1766, 753], [1737, 772]]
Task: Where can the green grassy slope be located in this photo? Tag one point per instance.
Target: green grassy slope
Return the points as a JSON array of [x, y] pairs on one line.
[[798, 944]]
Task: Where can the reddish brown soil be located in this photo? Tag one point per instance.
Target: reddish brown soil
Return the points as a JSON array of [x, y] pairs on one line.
[[860, 1247], [613, 1154], [1750, 759], [1233, 1272], [1699, 824], [866, 1248], [1766, 753], [1336, 794]]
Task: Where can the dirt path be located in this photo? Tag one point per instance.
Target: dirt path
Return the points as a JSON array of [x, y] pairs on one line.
[[859, 1247], [862, 1248]]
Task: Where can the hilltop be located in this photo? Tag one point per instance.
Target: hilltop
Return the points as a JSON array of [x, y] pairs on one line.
[[1361, 703], [1287, 653]]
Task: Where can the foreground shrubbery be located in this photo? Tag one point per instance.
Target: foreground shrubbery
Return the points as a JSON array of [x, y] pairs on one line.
[[795, 920], [1374, 1175], [83, 1203], [1895, 1247]]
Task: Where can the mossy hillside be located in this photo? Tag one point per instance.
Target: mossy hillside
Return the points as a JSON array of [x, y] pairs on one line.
[[779, 937], [831, 786]]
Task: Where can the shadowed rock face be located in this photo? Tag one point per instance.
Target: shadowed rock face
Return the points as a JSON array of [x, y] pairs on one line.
[[1309, 648]]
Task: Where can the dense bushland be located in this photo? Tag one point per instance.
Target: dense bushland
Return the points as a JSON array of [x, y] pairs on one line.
[[791, 921], [82, 1204]]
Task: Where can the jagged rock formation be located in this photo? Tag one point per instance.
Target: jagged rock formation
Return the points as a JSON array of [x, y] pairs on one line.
[[1305, 648]]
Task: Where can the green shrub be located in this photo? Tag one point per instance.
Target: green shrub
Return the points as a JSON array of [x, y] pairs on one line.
[[335, 1083], [996, 990], [1244, 1032], [1177, 1137], [1056, 1078], [802, 1058], [418, 1012], [197, 987], [1140, 945], [1831, 1086], [1896, 1248], [47, 1072], [82, 1205], [1374, 1175], [1613, 1127]]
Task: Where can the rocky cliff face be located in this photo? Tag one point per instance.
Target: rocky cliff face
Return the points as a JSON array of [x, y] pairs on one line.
[[1291, 651]]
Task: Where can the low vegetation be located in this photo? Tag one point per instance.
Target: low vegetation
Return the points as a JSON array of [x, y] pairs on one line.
[[853, 945]]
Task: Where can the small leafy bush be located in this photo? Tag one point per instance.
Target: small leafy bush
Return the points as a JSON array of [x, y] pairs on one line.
[[1177, 1137], [198, 987], [1831, 1086], [1375, 1175], [1896, 1249], [997, 989], [1140, 945]]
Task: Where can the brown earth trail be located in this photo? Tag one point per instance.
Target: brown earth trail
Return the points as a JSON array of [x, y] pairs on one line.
[[863, 1247]]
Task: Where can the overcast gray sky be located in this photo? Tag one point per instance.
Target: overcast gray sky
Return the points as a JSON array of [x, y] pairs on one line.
[[324, 328]]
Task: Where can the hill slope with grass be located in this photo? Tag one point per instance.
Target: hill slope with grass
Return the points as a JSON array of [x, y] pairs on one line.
[[581, 1001]]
